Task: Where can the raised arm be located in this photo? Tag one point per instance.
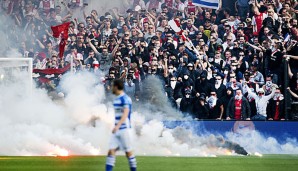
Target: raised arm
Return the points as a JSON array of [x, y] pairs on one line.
[[219, 6], [66, 7], [200, 10], [292, 93], [252, 94], [254, 46], [256, 3], [64, 19], [271, 94], [116, 47], [40, 44], [92, 46]]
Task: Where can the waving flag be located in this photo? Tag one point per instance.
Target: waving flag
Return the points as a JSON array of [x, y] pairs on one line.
[[61, 31], [213, 4], [176, 26]]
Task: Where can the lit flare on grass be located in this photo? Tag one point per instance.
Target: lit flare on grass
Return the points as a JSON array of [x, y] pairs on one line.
[[228, 152], [258, 154], [58, 151]]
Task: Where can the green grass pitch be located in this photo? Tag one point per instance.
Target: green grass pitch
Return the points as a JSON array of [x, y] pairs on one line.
[[221, 163]]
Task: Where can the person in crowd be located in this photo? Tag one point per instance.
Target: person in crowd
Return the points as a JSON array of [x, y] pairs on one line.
[[129, 86], [275, 107], [201, 109], [216, 54], [226, 99], [186, 104], [293, 84], [238, 107], [215, 106], [219, 87], [261, 101]]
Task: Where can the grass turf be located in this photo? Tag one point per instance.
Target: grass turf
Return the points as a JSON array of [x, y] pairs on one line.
[[221, 163]]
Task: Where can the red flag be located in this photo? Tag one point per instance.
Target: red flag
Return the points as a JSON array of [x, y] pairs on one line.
[[61, 30]]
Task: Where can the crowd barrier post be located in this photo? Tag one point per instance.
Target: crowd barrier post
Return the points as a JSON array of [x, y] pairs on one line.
[[286, 93]]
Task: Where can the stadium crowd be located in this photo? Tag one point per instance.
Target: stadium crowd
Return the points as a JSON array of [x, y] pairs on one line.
[[226, 64]]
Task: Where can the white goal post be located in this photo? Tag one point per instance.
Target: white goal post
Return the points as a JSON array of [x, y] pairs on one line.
[[12, 66]]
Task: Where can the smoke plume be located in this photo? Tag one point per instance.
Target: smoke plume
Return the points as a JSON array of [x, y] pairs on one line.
[[34, 124]]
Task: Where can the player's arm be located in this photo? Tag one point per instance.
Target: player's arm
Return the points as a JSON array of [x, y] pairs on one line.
[[122, 120]]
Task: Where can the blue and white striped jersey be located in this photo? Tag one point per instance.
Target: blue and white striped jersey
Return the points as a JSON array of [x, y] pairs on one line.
[[120, 103]]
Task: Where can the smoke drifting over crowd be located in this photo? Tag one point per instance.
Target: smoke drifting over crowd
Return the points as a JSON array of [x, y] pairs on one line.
[[81, 125]]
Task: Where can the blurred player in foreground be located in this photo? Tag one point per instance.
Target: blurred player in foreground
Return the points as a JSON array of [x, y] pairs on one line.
[[121, 138]]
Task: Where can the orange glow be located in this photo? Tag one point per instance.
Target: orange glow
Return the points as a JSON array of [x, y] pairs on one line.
[[59, 152], [63, 153], [228, 152]]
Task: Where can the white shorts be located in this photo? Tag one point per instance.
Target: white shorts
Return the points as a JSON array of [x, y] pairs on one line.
[[122, 140]]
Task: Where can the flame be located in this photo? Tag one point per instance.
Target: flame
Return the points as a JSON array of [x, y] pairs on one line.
[[58, 151], [63, 153], [258, 154], [228, 152], [94, 152]]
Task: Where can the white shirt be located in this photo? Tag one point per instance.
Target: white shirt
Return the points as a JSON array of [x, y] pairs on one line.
[[261, 102]]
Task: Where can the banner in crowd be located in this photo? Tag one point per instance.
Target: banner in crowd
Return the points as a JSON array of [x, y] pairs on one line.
[[45, 75], [213, 4]]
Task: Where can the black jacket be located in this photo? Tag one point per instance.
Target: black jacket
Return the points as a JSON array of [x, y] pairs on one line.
[[200, 112], [203, 87], [221, 91], [176, 93], [271, 109], [245, 109], [225, 101], [186, 105]]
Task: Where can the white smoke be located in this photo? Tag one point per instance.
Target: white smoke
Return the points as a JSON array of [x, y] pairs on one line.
[[255, 142], [81, 125]]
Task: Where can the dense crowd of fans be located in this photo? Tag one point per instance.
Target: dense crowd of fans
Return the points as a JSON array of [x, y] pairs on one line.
[[234, 68]]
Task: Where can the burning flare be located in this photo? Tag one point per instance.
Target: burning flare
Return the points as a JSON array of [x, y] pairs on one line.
[[58, 151]]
